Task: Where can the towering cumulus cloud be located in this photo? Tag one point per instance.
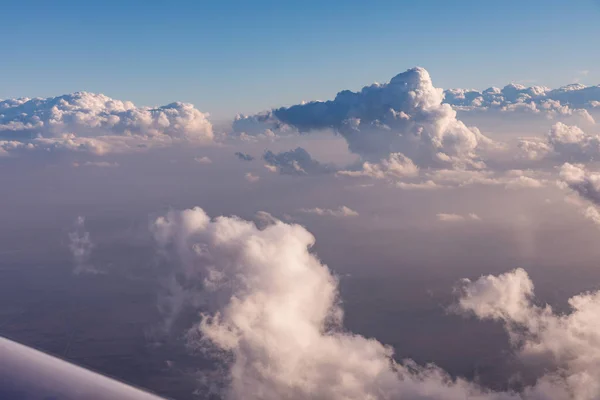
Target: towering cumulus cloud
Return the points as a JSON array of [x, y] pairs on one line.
[[96, 123], [566, 345], [274, 308], [404, 116]]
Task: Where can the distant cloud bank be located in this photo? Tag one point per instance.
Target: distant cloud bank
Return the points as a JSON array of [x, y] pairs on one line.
[[97, 124]]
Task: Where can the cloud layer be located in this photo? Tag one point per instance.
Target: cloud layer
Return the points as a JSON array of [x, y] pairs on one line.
[[569, 100], [95, 123]]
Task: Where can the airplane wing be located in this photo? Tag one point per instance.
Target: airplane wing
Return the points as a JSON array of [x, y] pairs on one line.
[[29, 374]]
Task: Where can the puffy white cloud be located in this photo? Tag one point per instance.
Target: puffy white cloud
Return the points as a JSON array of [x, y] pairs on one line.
[[568, 139], [90, 115], [275, 313], [586, 184], [505, 297], [341, 211], [571, 100], [395, 166], [592, 214], [296, 162], [404, 116], [566, 345], [572, 141], [534, 148], [563, 143], [81, 246], [97, 124], [583, 182]]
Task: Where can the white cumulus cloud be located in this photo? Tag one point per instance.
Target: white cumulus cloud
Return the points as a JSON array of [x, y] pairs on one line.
[[404, 116], [584, 182], [563, 143], [567, 345], [395, 166], [275, 311], [97, 124]]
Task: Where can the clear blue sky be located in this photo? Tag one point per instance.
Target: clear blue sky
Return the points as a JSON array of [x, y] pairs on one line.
[[230, 56]]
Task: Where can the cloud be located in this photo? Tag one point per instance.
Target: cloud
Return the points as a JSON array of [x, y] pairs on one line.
[[592, 214], [425, 185], [449, 178], [404, 116], [534, 148], [259, 125], [341, 211], [244, 156], [275, 314], [97, 124], [250, 177], [65, 143], [264, 219], [395, 166], [203, 160], [585, 183], [271, 168], [81, 246], [572, 142], [563, 143], [296, 162], [522, 181], [570, 100], [566, 345], [457, 217]]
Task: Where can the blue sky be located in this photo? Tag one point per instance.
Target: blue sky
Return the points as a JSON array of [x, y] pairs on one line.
[[244, 56]]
